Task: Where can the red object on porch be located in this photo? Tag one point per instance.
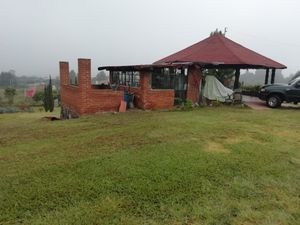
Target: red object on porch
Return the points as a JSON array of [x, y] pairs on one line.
[[123, 106], [220, 50]]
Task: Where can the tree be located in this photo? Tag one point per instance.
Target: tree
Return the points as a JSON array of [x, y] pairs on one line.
[[101, 76], [10, 93], [39, 96], [73, 77], [48, 97], [8, 79]]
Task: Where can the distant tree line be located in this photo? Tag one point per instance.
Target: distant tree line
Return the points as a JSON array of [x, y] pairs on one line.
[[10, 79], [101, 77], [257, 77]]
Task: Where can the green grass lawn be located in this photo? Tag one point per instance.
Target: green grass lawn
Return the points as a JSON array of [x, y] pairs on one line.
[[208, 166]]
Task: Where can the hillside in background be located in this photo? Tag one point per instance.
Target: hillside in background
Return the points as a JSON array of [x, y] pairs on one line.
[[258, 77]]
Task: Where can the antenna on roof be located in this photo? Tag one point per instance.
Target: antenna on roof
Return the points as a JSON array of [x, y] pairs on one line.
[[225, 31]]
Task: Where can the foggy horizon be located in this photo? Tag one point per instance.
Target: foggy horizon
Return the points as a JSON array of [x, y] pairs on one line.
[[36, 35]]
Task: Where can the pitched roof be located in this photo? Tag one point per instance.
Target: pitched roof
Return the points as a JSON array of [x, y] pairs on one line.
[[219, 50]]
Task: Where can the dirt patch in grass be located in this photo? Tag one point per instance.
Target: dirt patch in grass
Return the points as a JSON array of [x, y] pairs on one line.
[[2, 158], [287, 134], [233, 140], [215, 147], [223, 145]]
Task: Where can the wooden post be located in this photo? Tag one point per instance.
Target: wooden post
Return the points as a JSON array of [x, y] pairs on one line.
[[273, 76], [267, 76], [237, 79]]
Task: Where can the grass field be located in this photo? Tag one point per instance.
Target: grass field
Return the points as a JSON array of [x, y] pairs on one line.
[[209, 166]]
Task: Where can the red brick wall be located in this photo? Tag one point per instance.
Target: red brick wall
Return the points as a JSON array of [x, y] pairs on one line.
[[147, 98], [103, 101], [70, 97], [159, 99], [156, 98], [83, 99], [194, 80]]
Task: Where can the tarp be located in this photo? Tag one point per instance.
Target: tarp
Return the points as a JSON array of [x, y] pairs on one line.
[[215, 90]]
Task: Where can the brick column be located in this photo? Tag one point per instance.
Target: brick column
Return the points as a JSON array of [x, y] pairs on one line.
[[145, 88], [145, 80], [84, 81], [84, 73], [64, 73], [194, 78]]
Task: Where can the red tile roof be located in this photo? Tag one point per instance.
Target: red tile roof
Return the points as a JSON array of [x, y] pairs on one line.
[[219, 50]]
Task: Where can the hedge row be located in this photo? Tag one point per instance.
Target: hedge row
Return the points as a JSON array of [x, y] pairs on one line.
[[13, 109]]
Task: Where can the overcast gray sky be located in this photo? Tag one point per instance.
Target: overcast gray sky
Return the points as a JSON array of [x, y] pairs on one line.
[[37, 34]]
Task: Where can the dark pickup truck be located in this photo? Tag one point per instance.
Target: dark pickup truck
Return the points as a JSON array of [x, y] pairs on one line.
[[275, 94]]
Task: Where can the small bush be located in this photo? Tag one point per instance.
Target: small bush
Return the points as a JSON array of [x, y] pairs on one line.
[[178, 101], [251, 87], [13, 109], [10, 93], [184, 105], [188, 105], [38, 97], [250, 90]]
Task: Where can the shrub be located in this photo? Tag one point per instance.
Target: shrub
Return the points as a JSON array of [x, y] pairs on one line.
[[48, 97], [178, 101], [39, 96], [251, 90], [251, 87], [188, 105], [10, 93], [13, 109]]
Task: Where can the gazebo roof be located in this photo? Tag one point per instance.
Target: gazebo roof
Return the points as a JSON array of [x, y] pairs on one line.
[[217, 50]]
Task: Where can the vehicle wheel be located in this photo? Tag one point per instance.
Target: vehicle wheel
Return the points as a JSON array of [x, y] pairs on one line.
[[273, 101]]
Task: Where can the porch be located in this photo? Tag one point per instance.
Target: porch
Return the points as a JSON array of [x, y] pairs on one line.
[[157, 86]]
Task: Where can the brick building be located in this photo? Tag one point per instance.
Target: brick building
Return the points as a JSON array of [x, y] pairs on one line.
[[155, 86], [85, 98]]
